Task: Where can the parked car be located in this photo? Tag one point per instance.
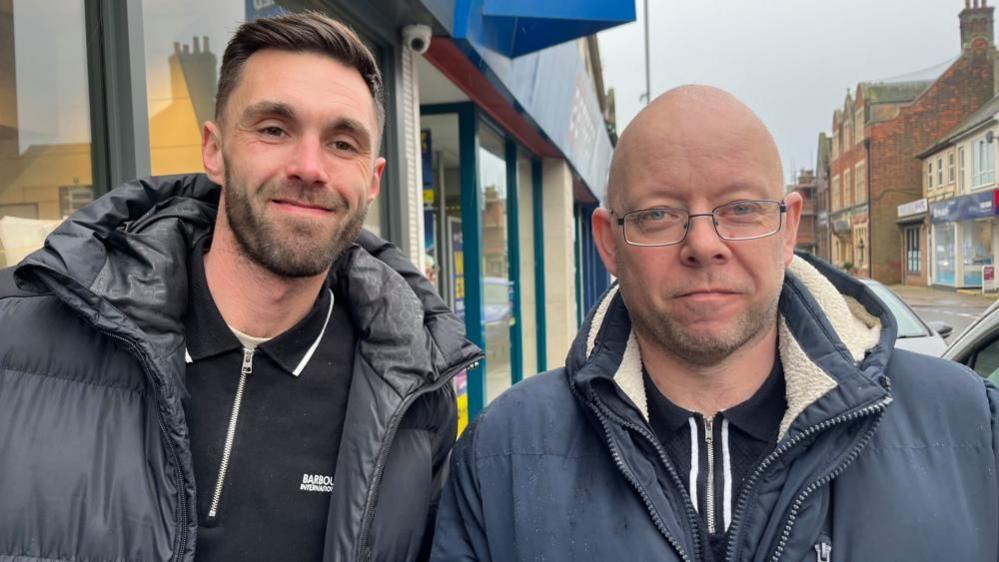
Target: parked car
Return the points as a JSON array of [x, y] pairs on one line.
[[978, 345], [913, 333]]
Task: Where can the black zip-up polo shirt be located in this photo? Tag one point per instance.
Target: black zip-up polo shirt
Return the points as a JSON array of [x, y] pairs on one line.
[[713, 456], [276, 481]]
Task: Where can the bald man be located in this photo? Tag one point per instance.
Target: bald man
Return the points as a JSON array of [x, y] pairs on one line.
[[727, 399]]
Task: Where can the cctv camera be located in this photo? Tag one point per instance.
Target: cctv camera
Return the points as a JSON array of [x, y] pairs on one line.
[[417, 37]]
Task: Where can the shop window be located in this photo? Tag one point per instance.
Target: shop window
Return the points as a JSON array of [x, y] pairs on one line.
[[983, 163], [44, 120], [912, 257], [184, 43], [497, 289], [944, 254], [976, 237]]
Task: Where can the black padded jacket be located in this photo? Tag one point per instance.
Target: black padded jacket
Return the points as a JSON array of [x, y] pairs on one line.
[[95, 462]]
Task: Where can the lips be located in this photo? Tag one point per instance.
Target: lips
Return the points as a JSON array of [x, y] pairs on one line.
[[302, 208], [707, 293]]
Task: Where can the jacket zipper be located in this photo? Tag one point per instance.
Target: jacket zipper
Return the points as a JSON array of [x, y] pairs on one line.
[[829, 477], [230, 437], [181, 517], [709, 500], [875, 408], [602, 414], [823, 551], [393, 425]]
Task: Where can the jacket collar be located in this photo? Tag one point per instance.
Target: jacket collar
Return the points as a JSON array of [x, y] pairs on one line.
[[831, 330], [121, 263]]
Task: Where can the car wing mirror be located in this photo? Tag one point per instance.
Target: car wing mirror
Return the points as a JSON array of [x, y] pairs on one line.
[[942, 328]]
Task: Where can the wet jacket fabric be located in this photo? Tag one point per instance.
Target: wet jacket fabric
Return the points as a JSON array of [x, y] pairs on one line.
[[882, 454], [95, 461]]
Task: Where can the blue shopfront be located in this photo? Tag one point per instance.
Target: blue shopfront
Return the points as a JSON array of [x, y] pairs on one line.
[[516, 155], [963, 239]]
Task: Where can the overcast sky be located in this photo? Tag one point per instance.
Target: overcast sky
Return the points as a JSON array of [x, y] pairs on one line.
[[790, 60]]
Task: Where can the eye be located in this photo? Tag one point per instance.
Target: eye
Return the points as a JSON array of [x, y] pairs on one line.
[[743, 208], [344, 146], [272, 131]]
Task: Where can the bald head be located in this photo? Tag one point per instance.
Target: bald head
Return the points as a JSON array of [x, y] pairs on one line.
[[686, 126]]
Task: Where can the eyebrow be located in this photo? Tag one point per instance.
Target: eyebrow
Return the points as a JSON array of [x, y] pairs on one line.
[[268, 109]]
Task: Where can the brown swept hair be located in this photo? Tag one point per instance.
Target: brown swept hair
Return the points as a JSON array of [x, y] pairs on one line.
[[309, 32]]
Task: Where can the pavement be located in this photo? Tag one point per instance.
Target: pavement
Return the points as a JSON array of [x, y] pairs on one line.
[[957, 308]]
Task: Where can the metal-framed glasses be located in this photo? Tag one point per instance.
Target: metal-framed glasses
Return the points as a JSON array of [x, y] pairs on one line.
[[738, 220]]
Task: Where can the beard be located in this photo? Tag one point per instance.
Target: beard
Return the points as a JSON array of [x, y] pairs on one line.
[[695, 347], [290, 248]]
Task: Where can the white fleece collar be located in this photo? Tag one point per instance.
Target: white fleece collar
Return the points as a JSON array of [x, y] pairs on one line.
[[805, 381]]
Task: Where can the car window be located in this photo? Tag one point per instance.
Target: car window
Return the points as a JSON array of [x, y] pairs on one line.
[[985, 361], [909, 326]]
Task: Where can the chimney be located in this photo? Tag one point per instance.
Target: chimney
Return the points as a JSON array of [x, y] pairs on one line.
[[976, 23]]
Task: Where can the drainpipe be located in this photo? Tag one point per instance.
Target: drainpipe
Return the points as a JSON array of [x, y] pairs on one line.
[[870, 210]]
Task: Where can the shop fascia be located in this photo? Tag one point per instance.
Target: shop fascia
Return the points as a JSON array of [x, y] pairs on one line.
[[965, 207], [913, 210]]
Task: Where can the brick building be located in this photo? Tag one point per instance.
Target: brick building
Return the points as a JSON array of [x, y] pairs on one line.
[[805, 185], [959, 208], [877, 136]]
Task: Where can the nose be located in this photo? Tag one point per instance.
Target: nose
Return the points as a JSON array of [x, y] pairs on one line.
[[307, 162], [703, 246]]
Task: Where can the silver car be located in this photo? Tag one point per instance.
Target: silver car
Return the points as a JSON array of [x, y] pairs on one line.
[[913, 333], [978, 345]]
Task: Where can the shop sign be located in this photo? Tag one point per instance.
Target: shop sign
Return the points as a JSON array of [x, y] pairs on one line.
[[457, 266], [427, 158], [256, 9], [823, 218], [917, 207], [973, 206], [988, 278], [858, 219]]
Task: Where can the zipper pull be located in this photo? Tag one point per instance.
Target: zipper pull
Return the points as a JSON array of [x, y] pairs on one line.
[[709, 434], [823, 552], [247, 361]]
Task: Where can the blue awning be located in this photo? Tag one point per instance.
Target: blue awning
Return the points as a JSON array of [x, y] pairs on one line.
[[517, 27], [523, 47]]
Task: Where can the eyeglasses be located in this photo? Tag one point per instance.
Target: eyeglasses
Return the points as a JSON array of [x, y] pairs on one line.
[[738, 220]]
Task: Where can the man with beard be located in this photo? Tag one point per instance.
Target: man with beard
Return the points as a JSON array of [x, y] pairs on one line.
[[208, 367], [727, 399]]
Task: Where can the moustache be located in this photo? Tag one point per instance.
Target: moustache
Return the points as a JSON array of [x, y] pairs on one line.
[[310, 196]]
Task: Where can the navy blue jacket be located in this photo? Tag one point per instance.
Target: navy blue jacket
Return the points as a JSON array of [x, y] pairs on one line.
[[882, 455]]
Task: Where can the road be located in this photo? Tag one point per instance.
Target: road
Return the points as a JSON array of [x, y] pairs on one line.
[[957, 309]]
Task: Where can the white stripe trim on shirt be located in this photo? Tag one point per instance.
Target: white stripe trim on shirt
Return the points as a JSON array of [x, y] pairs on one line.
[[312, 349], [727, 476], [694, 458]]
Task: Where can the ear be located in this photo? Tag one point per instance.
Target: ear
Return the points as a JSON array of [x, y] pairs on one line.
[[604, 237], [376, 179], [792, 218], [211, 152]]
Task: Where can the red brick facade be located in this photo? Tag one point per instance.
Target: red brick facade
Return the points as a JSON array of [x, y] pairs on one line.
[[896, 173], [899, 121]]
